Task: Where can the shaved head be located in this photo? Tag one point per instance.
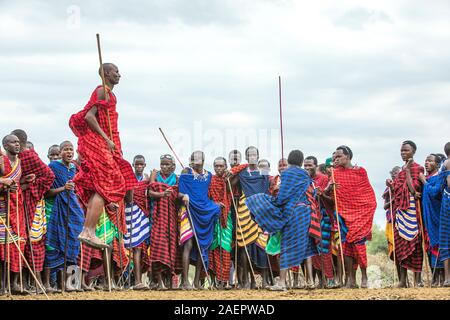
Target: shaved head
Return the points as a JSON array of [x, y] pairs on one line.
[[106, 68], [22, 135]]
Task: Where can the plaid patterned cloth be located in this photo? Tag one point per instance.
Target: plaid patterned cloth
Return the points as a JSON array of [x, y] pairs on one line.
[[289, 213], [356, 202], [218, 192], [220, 263], [431, 208], [327, 264], [164, 234], [357, 251], [401, 191], [17, 225], [56, 236], [32, 164], [408, 253], [444, 223], [101, 171]]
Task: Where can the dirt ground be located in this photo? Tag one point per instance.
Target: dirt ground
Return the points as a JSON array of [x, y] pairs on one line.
[[330, 294]]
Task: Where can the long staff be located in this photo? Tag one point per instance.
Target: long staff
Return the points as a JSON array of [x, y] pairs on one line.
[[18, 235], [29, 239], [427, 268], [238, 225], [393, 235], [170, 147], [66, 244], [339, 226], [2, 221]]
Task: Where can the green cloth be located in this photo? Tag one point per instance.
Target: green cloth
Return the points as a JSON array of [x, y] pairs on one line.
[[328, 162], [111, 229], [48, 212], [274, 244], [223, 236]]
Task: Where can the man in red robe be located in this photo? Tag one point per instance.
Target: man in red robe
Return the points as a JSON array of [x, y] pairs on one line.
[[356, 204], [104, 176], [323, 262], [37, 178], [11, 213]]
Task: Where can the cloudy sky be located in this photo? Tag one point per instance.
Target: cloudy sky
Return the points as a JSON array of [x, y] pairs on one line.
[[368, 74]]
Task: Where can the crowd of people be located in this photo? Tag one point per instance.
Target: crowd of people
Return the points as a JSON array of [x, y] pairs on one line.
[[96, 222]]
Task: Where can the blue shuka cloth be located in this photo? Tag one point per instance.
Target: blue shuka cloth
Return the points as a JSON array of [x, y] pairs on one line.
[[431, 210], [290, 213], [56, 231], [444, 224], [253, 182], [203, 211]]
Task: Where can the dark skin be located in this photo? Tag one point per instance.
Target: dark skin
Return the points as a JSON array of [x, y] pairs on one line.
[[66, 155], [197, 161], [447, 262], [252, 158], [407, 154], [139, 167], [166, 166], [54, 154], [12, 150], [344, 161], [220, 168], [96, 203]]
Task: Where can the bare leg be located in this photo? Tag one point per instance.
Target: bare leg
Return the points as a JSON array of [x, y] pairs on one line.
[[185, 262], [244, 267], [198, 270], [309, 273], [363, 277], [418, 279], [348, 261], [137, 253], [402, 279], [447, 273], [94, 210], [107, 266]]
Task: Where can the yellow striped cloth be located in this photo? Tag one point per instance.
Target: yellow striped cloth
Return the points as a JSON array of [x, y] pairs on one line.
[[248, 230], [39, 224]]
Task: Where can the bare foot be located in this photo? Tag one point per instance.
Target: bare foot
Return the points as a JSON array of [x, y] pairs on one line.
[[92, 241]]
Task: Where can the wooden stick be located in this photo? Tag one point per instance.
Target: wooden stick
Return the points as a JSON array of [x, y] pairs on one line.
[[67, 241], [321, 240], [427, 269], [198, 244], [81, 265], [18, 234], [102, 74], [168, 143], [106, 251], [393, 235], [29, 239], [235, 245], [242, 234], [8, 258], [23, 257], [281, 118], [339, 226]]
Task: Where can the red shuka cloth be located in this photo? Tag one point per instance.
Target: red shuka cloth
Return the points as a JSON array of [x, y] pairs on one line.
[[101, 171], [32, 164], [164, 233], [409, 254], [356, 202], [17, 226], [218, 192]]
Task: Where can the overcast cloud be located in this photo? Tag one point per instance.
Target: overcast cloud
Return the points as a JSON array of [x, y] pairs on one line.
[[362, 73]]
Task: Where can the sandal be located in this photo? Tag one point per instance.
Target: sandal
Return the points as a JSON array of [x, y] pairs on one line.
[[277, 287], [92, 244]]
